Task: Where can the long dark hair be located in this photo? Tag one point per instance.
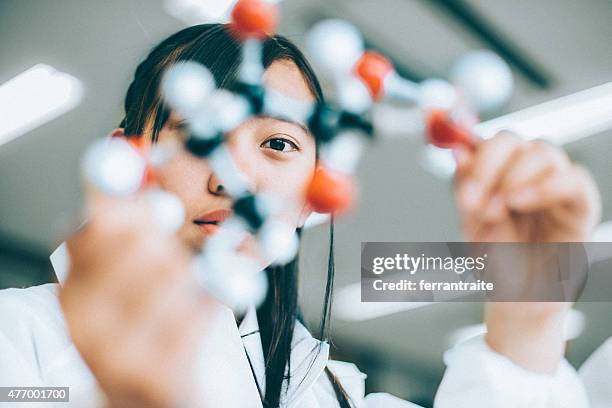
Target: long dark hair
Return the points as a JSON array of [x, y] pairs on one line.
[[213, 46]]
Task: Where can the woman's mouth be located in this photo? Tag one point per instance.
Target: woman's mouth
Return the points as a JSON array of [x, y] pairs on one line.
[[208, 227], [209, 222]]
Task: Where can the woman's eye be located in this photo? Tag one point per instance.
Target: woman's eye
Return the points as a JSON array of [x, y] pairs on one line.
[[179, 130], [280, 144]]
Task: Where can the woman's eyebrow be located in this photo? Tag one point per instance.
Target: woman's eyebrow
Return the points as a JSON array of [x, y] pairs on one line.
[[180, 123], [302, 126], [177, 123]]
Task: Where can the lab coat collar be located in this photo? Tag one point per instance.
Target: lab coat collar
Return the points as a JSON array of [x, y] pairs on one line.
[[308, 357]]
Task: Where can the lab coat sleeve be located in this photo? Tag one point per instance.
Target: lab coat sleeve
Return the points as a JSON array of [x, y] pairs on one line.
[[476, 376], [596, 373], [17, 349], [21, 372], [36, 352]]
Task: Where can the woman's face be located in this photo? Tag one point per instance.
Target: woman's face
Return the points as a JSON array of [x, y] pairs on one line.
[[276, 156]]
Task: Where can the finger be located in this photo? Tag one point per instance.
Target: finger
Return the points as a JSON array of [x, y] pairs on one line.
[[192, 313], [146, 302], [495, 210], [569, 187], [151, 206], [531, 164], [463, 157], [488, 162], [109, 238], [114, 222], [108, 213], [151, 261]]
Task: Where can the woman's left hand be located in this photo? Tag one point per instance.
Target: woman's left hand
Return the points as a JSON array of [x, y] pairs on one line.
[[512, 190]]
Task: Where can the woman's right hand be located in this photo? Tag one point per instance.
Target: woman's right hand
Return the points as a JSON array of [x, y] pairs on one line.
[[512, 190], [131, 306]]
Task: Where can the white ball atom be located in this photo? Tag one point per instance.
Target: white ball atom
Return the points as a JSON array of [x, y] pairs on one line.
[[279, 242], [228, 110], [344, 152], [353, 95], [113, 166], [437, 94], [186, 86], [335, 46], [236, 280], [167, 208], [484, 79]]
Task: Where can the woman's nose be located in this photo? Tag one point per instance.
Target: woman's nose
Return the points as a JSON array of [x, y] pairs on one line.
[[214, 185]]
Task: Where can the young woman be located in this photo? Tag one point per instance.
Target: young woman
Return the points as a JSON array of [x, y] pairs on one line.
[[129, 322]]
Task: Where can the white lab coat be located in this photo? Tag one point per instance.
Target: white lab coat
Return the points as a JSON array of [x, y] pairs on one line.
[[35, 350]]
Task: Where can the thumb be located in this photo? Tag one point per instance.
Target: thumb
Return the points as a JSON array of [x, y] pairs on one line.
[[463, 158]]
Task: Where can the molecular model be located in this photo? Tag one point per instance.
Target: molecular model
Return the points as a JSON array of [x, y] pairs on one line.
[[342, 129]]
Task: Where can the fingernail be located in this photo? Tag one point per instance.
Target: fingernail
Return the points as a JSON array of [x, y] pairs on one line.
[[523, 197]]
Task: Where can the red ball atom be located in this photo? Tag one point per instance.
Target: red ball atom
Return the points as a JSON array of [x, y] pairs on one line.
[[143, 146], [373, 68], [149, 177], [443, 132], [254, 19], [330, 192], [140, 143]]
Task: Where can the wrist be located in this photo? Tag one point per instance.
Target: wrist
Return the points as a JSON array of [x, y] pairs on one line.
[[531, 335]]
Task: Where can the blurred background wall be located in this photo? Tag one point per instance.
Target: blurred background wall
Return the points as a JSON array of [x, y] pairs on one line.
[[555, 47]]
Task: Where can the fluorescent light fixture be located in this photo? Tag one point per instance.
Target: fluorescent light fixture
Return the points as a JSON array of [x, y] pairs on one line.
[[193, 12], [559, 121], [574, 324], [34, 97], [349, 307]]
